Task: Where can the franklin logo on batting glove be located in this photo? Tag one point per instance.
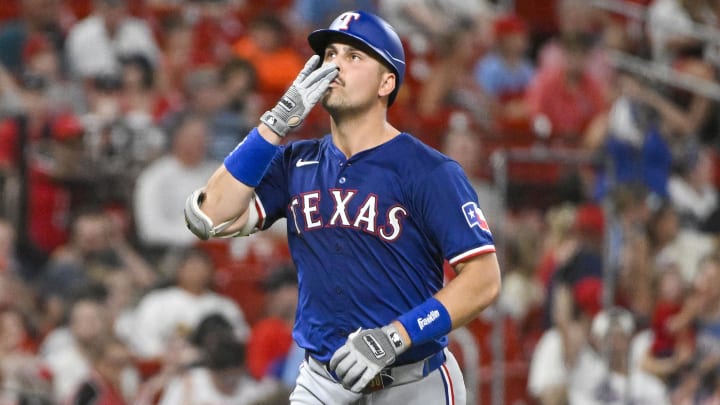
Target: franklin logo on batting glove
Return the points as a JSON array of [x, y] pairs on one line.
[[287, 103], [374, 346]]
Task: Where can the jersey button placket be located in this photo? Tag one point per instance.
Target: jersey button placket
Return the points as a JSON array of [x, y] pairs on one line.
[[342, 179], [341, 175]]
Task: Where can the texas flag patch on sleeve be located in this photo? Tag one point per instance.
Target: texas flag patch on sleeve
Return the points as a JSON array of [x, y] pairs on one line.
[[474, 216]]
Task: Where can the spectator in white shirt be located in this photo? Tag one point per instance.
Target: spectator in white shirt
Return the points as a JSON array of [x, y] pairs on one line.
[[177, 310], [671, 25], [65, 350], [600, 372], [161, 187], [95, 44]]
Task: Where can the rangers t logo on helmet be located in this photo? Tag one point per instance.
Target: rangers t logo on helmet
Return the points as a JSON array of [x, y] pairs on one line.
[[346, 18]]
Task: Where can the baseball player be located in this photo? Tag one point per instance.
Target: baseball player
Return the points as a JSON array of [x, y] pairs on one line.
[[372, 213]]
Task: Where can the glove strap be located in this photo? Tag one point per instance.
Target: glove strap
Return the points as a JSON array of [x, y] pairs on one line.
[[287, 114], [277, 125], [395, 339]]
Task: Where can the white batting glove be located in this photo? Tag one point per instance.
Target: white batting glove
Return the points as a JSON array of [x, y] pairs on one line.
[[301, 97], [365, 353]]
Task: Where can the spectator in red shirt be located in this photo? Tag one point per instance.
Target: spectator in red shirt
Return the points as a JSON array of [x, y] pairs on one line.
[[671, 295], [567, 97], [45, 201], [271, 338], [215, 27]]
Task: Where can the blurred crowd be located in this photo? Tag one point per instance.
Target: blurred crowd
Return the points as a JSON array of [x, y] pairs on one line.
[[113, 111]]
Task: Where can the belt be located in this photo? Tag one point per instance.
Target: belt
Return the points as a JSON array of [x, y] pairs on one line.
[[394, 375]]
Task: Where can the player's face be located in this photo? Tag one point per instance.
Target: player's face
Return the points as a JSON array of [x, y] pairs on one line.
[[361, 80]]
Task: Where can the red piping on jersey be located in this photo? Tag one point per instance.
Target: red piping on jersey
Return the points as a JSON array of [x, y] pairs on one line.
[[472, 253], [261, 212]]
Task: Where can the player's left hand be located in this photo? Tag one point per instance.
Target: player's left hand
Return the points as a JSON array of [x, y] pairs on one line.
[[364, 354], [307, 89]]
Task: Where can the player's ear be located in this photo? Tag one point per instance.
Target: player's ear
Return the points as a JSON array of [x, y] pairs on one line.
[[387, 84]]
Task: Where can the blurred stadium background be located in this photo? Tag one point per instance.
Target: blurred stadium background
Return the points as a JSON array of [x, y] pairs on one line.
[[590, 129]]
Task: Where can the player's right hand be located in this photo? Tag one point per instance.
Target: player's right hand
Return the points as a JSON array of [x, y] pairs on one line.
[[301, 97], [365, 353]]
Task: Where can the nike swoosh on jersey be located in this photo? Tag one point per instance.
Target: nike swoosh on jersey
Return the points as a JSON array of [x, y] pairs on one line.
[[301, 163]]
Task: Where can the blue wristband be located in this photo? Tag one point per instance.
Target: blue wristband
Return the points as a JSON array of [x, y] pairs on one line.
[[249, 161], [426, 322]]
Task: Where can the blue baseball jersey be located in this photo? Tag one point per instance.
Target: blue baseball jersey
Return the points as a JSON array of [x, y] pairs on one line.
[[369, 234]]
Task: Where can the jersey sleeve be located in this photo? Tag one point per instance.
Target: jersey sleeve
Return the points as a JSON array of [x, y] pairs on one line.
[[272, 192], [449, 207]]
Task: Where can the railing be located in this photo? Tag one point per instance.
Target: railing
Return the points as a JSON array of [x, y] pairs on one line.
[[638, 12], [663, 73], [659, 71]]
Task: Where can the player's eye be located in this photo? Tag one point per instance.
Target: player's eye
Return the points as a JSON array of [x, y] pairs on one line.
[[355, 56], [329, 54]]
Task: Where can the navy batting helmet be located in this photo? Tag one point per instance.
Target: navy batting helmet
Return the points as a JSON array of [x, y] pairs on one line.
[[371, 31]]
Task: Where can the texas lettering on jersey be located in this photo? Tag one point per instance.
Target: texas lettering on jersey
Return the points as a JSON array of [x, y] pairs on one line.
[[306, 211]]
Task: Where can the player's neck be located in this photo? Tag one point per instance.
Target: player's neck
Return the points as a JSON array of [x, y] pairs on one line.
[[355, 134]]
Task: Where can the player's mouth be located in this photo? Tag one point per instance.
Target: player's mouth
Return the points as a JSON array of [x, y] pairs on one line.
[[336, 82]]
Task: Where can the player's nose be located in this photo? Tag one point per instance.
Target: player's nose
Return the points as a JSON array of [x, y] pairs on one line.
[[336, 62], [339, 68]]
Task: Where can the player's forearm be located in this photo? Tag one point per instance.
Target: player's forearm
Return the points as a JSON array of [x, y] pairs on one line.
[[226, 197], [474, 289], [660, 367]]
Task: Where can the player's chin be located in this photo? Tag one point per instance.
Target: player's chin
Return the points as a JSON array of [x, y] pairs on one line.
[[330, 102]]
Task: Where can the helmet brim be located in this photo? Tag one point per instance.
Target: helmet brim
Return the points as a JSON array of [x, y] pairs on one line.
[[320, 39]]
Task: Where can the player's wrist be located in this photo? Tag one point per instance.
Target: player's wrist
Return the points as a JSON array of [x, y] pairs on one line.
[[269, 134], [399, 339], [251, 158], [275, 124], [426, 322]]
